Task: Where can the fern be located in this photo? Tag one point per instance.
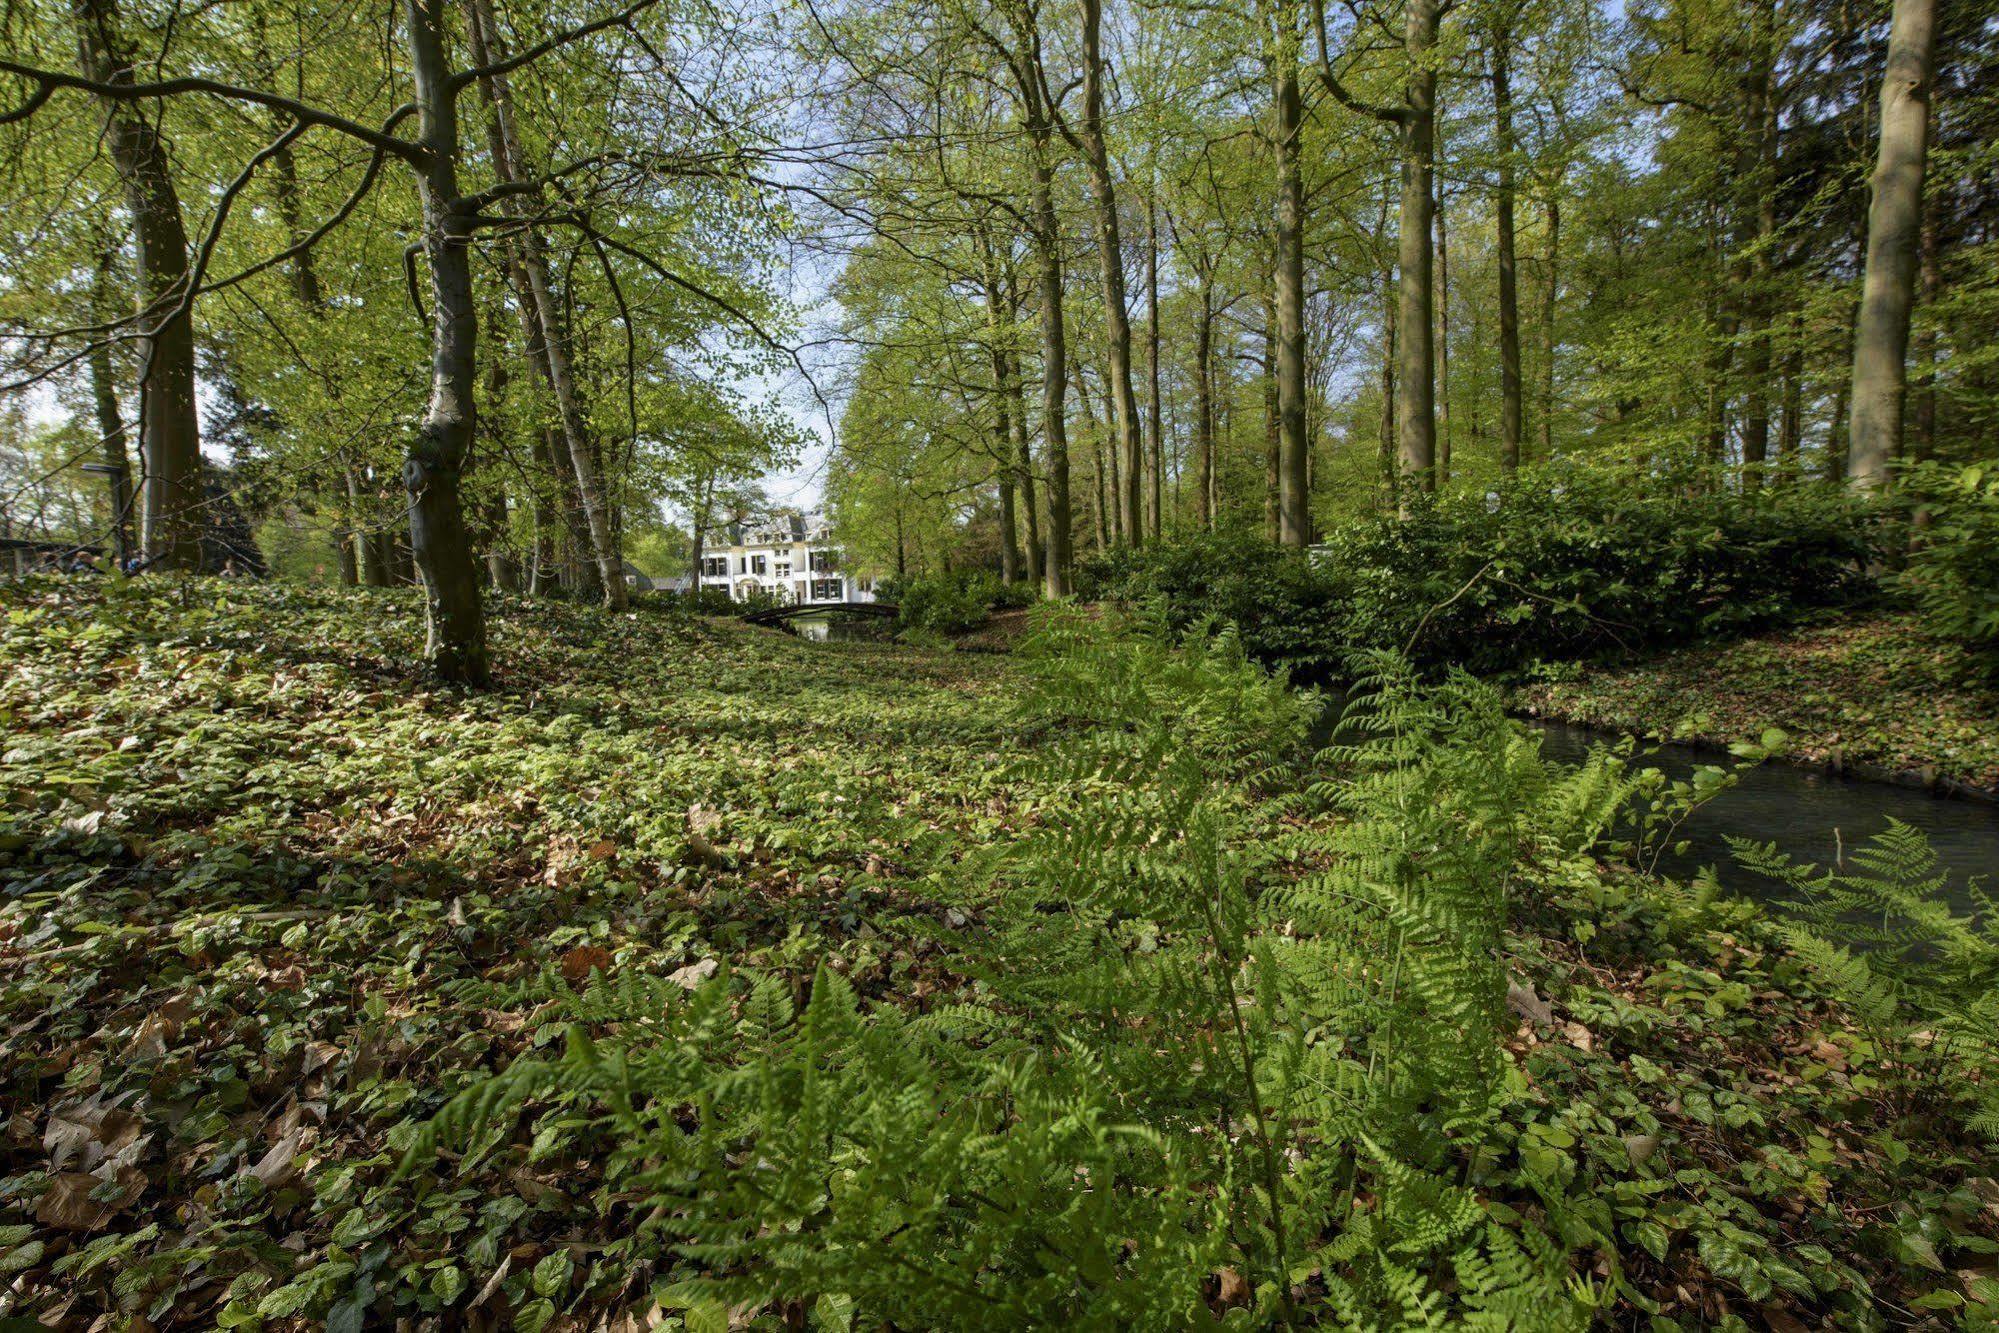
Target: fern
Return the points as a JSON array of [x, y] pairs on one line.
[[1882, 939]]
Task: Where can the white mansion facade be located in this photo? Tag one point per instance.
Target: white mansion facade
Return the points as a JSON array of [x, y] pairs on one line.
[[789, 557]]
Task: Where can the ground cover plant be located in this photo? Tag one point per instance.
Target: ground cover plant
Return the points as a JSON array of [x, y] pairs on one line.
[[933, 989]]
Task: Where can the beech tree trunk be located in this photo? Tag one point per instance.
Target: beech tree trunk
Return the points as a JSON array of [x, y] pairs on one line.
[[1204, 409], [111, 449], [1894, 228], [1155, 446], [456, 642], [509, 166], [1126, 459], [1060, 554], [1511, 418], [1016, 396], [171, 517], [1294, 509], [1416, 406], [1760, 176], [1549, 340]]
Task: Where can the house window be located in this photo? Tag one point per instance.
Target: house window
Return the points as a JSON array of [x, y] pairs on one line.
[[825, 562], [783, 570], [826, 590], [715, 566], [756, 564]]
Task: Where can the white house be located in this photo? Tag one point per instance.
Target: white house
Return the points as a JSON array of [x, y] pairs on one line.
[[789, 557]]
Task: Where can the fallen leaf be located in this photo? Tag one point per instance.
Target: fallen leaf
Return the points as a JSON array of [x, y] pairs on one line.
[[1522, 1000], [1233, 1289], [694, 973], [579, 962]]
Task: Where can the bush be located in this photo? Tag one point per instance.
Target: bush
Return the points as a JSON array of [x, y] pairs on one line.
[[952, 602], [1954, 572], [1565, 563], [1288, 614]]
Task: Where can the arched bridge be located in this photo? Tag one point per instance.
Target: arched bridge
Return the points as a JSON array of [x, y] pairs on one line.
[[779, 614]]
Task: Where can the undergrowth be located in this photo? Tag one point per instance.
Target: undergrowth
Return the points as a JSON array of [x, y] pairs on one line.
[[922, 992]]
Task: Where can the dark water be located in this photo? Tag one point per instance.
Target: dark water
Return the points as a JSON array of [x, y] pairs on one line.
[[1813, 815]]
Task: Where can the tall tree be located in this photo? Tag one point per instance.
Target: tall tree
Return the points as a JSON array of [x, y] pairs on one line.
[[1894, 236]]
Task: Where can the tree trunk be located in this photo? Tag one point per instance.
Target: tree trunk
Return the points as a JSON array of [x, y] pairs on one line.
[[1894, 225], [1272, 481], [111, 450], [1204, 410], [1511, 418], [1294, 508], [1016, 396], [1391, 479], [1126, 456], [1760, 140], [511, 169], [1155, 446], [1791, 425], [1549, 340], [456, 642], [1443, 336], [1060, 552], [1416, 405], [169, 427]]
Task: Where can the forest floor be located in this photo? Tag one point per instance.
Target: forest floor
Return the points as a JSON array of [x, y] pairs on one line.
[[267, 899], [1871, 693]]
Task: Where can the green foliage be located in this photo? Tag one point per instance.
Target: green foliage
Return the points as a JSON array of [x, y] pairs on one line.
[[931, 989], [1289, 615], [953, 602], [1880, 936], [1564, 562], [1953, 569]]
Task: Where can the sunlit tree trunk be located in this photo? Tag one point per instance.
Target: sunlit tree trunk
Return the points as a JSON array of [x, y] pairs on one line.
[[1416, 408], [169, 427], [111, 449], [590, 489], [1294, 501], [456, 642], [1760, 176], [1204, 409], [1154, 438], [1127, 463], [1511, 421], [1894, 225], [1550, 340]]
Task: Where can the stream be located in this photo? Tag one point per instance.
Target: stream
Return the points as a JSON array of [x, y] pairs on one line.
[[1810, 813], [1814, 815]]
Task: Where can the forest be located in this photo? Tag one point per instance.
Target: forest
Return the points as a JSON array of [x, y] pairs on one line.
[[1374, 704]]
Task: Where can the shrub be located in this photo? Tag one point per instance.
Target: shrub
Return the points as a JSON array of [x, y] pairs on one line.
[[952, 602], [1954, 572], [1288, 614], [1564, 563]]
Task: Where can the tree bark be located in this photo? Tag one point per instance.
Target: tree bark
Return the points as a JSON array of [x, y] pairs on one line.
[[1443, 336], [1155, 445], [1549, 340], [1204, 410], [1127, 461], [1760, 140], [1511, 418], [1060, 552], [511, 169], [455, 645], [171, 519], [1294, 507], [1894, 225], [1016, 396], [1416, 405], [111, 450]]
